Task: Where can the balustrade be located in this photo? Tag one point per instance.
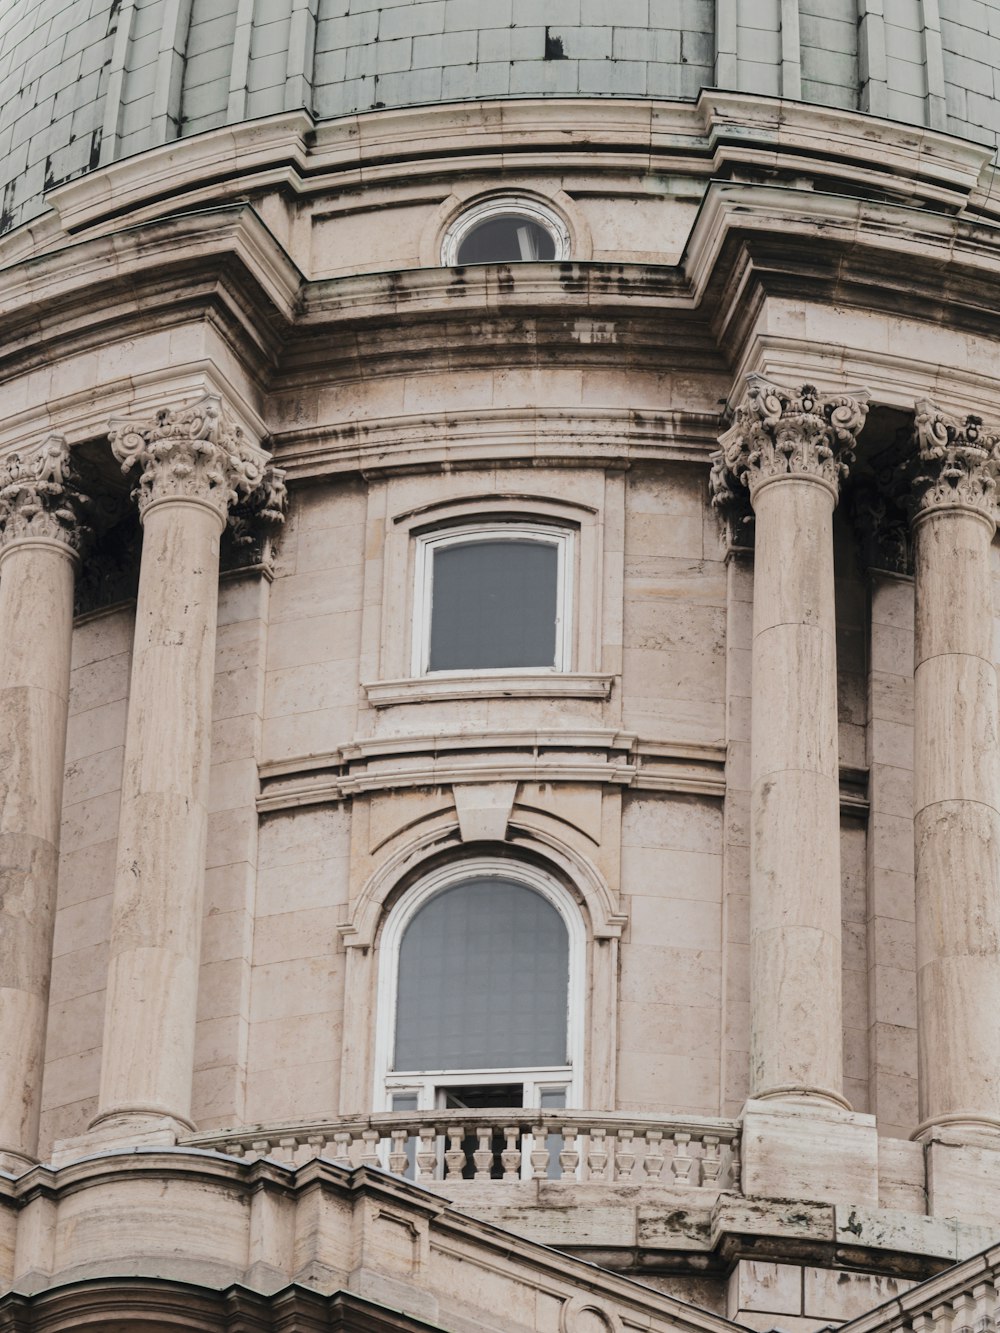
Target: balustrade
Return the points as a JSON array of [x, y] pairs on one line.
[[498, 1147]]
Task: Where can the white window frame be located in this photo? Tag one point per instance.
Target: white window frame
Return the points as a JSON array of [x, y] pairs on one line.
[[423, 593], [425, 1083], [505, 206]]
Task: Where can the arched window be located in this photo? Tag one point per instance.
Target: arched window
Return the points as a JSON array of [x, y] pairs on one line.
[[481, 995], [505, 231]]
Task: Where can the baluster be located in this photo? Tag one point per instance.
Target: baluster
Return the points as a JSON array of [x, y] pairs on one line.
[[597, 1156], [511, 1155], [233, 1149], [539, 1152], [711, 1160], [285, 1151], [455, 1156], [683, 1161], [427, 1154], [569, 1157], [398, 1160], [735, 1171], [342, 1149], [259, 1148], [625, 1154], [369, 1150], [316, 1143], [483, 1156], [654, 1158]]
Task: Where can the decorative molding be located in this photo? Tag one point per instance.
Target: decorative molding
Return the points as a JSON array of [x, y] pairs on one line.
[[599, 756], [196, 453], [40, 498], [497, 685], [957, 464], [787, 433]]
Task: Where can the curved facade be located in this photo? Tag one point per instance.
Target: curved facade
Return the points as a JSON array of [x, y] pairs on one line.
[[82, 84], [499, 760]]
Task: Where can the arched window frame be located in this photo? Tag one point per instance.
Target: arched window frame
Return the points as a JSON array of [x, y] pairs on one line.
[[561, 537], [501, 206], [426, 1082]]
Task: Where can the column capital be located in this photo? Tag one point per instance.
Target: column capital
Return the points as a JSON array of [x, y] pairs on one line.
[[780, 433], [40, 499], [957, 463], [196, 453]]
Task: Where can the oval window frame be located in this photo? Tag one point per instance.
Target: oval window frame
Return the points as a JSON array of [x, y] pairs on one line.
[[501, 206]]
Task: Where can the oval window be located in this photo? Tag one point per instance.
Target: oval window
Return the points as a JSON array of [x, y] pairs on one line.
[[506, 231]]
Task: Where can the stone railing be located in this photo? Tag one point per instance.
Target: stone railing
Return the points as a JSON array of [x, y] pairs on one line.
[[505, 1146]]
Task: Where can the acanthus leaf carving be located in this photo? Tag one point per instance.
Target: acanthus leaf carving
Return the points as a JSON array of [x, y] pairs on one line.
[[787, 433], [957, 463], [40, 497], [196, 453]]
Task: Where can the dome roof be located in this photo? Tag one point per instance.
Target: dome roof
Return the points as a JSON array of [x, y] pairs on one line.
[[83, 82]]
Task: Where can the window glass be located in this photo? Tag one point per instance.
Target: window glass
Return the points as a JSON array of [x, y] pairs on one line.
[[494, 604], [506, 240], [483, 981]]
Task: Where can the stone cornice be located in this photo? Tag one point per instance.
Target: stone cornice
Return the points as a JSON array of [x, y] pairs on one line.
[[40, 498]]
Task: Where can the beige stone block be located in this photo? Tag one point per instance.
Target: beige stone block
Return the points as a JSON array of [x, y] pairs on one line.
[[235, 737], [89, 822], [894, 1049], [95, 731], [226, 935], [901, 1177], [302, 734], [222, 989], [671, 976], [79, 973], [895, 997], [300, 986], [232, 785], [895, 1100], [887, 1230], [219, 1042], [240, 646], [809, 1151], [75, 1025], [760, 1286], [301, 596], [232, 836], [319, 686], [102, 637], [893, 893], [660, 1029], [329, 638], [303, 1092], [892, 790], [303, 1039], [892, 650], [678, 822], [228, 888], [87, 873], [677, 923], [305, 886], [692, 1081], [892, 842], [305, 933], [72, 1078], [93, 775], [82, 925], [99, 683]]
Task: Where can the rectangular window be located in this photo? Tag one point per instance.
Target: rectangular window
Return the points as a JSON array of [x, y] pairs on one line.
[[493, 599]]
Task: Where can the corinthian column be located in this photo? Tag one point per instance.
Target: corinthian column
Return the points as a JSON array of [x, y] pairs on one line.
[[957, 774], [193, 467], [791, 448], [40, 534]]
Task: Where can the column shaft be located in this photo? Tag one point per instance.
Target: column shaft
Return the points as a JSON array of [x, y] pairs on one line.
[[36, 626], [957, 819], [156, 928], [795, 895]]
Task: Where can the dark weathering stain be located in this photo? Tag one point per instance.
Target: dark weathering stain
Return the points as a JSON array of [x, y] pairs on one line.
[[553, 46]]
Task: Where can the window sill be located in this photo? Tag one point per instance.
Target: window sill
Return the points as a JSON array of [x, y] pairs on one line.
[[479, 685]]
